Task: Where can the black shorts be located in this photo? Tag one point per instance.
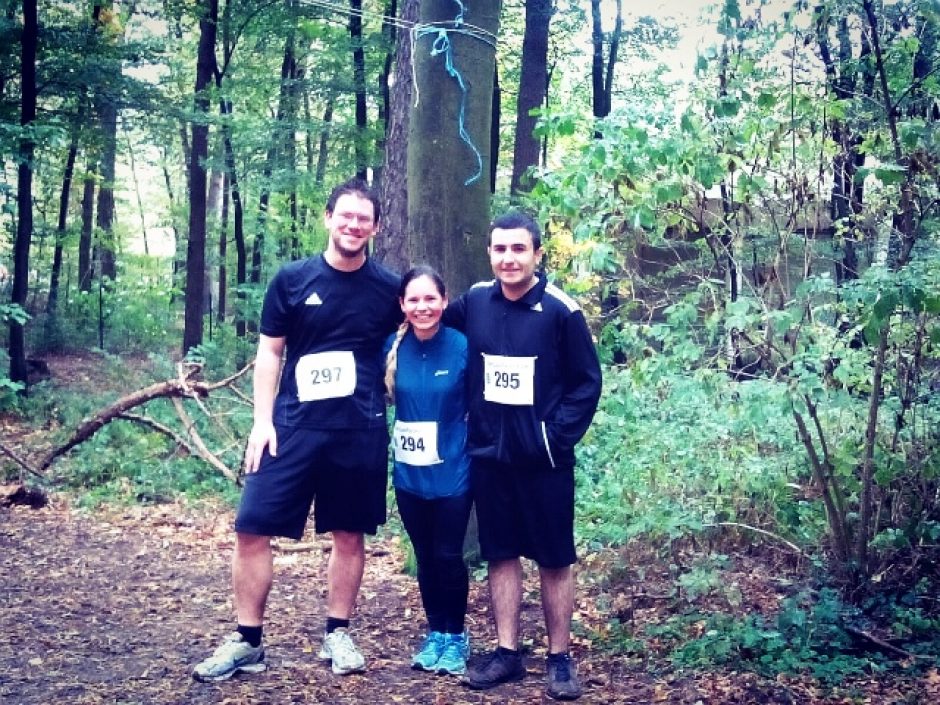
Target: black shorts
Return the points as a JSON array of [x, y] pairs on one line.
[[524, 511], [343, 474]]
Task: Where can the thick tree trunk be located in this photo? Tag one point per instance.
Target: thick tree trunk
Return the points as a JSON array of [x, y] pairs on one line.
[[532, 87], [448, 145], [196, 242], [391, 244], [24, 193]]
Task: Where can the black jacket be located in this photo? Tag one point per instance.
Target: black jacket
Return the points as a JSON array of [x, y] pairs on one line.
[[545, 324]]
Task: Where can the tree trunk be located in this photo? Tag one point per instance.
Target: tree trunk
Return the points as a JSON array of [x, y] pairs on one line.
[[196, 242], [389, 34], [223, 249], [238, 217], [107, 111], [24, 192], [448, 145], [53, 300], [324, 139], [532, 88], [391, 244], [497, 116], [359, 86], [602, 75], [85, 265]]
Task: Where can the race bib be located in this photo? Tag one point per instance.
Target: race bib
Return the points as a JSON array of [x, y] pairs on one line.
[[509, 380], [326, 375], [415, 442]]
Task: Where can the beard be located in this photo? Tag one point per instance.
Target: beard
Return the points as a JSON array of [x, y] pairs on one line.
[[347, 252]]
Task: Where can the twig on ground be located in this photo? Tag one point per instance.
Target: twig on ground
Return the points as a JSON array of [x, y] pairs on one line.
[[763, 532]]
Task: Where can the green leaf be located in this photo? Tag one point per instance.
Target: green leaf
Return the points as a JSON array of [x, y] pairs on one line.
[[766, 100], [890, 174], [886, 303]]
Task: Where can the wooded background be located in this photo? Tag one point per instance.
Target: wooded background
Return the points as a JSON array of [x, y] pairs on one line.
[[754, 239]]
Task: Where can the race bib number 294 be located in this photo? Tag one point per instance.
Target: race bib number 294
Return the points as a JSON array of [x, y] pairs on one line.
[[326, 375]]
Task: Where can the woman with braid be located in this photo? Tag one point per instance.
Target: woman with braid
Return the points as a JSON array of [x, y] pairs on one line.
[[425, 378]]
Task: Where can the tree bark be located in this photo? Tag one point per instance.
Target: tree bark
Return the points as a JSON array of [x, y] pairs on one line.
[[24, 193], [223, 248], [443, 168], [85, 265], [196, 242], [359, 86], [532, 89], [107, 111], [53, 300], [391, 243]]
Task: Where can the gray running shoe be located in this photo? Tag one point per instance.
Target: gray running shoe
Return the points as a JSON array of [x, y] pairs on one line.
[[233, 655], [339, 648]]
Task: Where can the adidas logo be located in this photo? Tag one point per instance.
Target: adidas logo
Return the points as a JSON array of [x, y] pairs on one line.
[[313, 300]]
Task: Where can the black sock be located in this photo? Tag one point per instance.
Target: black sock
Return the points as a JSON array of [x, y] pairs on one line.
[[334, 623], [562, 656], [251, 634], [507, 652]]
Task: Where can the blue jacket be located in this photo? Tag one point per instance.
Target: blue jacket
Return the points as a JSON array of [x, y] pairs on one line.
[[545, 330], [430, 386]]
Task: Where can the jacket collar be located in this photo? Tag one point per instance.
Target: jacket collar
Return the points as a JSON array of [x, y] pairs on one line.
[[531, 299]]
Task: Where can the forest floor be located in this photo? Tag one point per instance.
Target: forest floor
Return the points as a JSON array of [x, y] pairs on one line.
[[115, 605]]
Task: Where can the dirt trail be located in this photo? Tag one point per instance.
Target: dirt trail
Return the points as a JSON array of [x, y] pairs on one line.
[[116, 608]]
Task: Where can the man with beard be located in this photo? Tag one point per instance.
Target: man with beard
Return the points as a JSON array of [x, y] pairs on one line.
[[320, 439]]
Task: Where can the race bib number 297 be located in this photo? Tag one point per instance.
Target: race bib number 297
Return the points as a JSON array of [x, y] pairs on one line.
[[326, 375]]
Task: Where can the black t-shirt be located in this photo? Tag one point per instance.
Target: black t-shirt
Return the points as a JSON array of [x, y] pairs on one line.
[[335, 324]]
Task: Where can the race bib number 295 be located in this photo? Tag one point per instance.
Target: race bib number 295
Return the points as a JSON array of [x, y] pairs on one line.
[[509, 380], [326, 375]]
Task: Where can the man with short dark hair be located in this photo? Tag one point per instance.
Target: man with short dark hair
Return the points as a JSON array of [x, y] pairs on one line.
[[534, 382], [319, 436]]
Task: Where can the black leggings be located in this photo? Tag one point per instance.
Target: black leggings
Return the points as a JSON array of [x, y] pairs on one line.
[[436, 528]]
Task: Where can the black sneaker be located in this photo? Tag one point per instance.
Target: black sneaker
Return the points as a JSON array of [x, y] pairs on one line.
[[499, 666], [562, 681]]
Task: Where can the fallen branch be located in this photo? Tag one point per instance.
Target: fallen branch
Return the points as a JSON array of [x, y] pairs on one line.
[[183, 386], [160, 428], [201, 447], [763, 532], [19, 461], [882, 644]]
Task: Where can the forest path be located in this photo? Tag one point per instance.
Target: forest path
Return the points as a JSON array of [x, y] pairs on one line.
[[116, 607]]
